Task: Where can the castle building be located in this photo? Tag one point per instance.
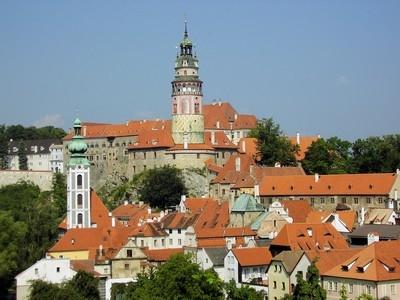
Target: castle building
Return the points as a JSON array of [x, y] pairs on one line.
[[78, 182], [195, 134]]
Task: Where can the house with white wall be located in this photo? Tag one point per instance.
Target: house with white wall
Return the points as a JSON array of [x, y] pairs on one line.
[[213, 258]]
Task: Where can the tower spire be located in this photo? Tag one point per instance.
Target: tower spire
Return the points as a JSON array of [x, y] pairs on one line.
[[186, 32]]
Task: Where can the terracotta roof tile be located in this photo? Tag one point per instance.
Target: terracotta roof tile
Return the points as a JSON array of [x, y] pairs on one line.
[[161, 255], [305, 142], [224, 232], [377, 262], [297, 209], [300, 236], [328, 259], [341, 184], [253, 256]]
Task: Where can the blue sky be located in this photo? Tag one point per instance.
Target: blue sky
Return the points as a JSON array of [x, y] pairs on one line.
[[318, 67]]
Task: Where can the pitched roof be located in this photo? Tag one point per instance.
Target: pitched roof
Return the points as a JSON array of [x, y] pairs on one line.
[[33, 146], [348, 217], [98, 211], [297, 209], [233, 170], [217, 255], [305, 143], [299, 236], [378, 215], [247, 203], [383, 230], [154, 137], [340, 184], [161, 255], [252, 256], [328, 259], [149, 230], [129, 210], [224, 232], [289, 259], [221, 115], [377, 262], [178, 220]]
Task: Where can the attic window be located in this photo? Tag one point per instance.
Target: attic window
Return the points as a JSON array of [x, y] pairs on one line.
[[310, 187], [349, 186], [370, 186], [345, 268], [329, 187], [273, 188], [291, 187]]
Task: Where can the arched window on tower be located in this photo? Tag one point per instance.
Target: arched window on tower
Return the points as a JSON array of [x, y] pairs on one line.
[[80, 219], [79, 181], [79, 201]]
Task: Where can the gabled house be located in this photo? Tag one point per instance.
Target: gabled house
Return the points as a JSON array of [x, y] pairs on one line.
[[150, 235], [363, 234], [299, 236], [247, 265], [375, 215], [245, 210], [180, 229], [283, 270], [374, 270], [212, 258], [269, 224], [127, 261], [50, 270], [343, 221]]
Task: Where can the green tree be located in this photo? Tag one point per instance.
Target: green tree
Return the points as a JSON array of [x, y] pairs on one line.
[[3, 150], [59, 193], [243, 293], [162, 187], [272, 146], [365, 297], [309, 289], [343, 293], [178, 278], [331, 156], [86, 285], [22, 157], [42, 290], [12, 235]]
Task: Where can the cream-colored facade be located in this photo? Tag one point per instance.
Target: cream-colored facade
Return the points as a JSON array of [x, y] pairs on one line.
[[127, 262], [356, 287]]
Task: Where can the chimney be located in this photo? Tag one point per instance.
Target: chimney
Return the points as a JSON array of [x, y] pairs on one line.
[[217, 124], [113, 222], [257, 191], [100, 250], [316, 177], [395, 194], [398, 171], [237, 164], [298, 138], [125, 202], [149, 210], [372, 237], [84, 131], [236, 116], [361, 218], [182, 206], [219, 103], [213, 137], [309, 231]]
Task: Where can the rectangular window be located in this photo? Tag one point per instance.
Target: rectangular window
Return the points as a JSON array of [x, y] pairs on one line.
[[36, 271], [330, 286], [170, 241], [344, 200], [322, 200], [312, 200], [58, 269], [170, 231], [380, 200], [179, 231], [283, 286], [368, 200], [198, 155], [162, 242], [335, 286], [332, 200], [155, 154], [144, 155], [351, 288], [129, 253], [274, 284], [355, 200], [179, 242], [126, 266], [393, 289]]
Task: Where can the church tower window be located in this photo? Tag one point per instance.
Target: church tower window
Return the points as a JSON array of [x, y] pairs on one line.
[[79, 181], [80, 219], [79, 201]]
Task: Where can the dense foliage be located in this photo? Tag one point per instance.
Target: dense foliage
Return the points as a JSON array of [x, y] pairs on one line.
[[162, 187], [19, 132], [309, 289], [373, 154], [83, 286], [28, 227], [180, 278], [272, 146]]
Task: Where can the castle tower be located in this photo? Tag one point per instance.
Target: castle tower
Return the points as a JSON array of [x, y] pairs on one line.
[[78, 182], [187, 96]]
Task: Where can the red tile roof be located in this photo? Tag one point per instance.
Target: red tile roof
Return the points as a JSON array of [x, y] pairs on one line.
[[178, 220], [377, 262], [161, 255], [328, 259], [300, 236], [305, 142], [348, 217], [342, 184], [297, 209], [254, 256], [149, 230], [224, 232], [98, 211], [224, 115]]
